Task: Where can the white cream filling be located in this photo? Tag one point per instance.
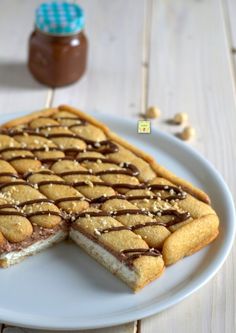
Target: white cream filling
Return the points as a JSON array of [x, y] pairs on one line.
[[95, 250], [101, 254], [36, 247]]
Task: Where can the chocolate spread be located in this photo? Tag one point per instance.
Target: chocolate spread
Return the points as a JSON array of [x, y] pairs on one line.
[[57, 60], [39, 233]]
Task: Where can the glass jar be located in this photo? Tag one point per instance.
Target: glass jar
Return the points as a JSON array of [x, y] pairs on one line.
[[58, 45]]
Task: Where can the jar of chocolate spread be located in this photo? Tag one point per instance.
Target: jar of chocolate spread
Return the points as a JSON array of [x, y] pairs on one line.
[[58, 45]]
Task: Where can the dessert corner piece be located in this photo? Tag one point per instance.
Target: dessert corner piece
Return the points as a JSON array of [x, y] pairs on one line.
[[63, 173]]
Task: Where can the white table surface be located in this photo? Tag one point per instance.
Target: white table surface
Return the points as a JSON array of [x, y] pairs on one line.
[[178, 55]]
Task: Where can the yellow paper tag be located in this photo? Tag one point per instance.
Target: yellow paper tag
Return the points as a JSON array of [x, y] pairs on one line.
[[144, 126]]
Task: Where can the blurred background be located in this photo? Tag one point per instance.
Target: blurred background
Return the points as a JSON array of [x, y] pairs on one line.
[[177, 55]]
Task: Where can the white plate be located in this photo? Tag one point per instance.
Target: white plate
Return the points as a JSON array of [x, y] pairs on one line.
[[63, 288]]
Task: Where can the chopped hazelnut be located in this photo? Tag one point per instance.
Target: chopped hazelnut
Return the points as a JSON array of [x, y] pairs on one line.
[[97, 232], [90, 184], [188, 133], [180, 118], [153, 112]]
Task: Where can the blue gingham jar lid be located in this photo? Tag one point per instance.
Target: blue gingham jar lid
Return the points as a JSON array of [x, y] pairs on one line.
[[59, 18]]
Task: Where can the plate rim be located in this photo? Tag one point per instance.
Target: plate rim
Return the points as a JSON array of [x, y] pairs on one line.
[[36, 322]]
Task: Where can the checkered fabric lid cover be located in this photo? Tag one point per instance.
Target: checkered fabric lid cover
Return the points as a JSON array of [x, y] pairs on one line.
[[59, 18]]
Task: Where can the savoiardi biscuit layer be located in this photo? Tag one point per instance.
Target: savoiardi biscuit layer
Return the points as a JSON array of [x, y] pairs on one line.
[[65, 173]]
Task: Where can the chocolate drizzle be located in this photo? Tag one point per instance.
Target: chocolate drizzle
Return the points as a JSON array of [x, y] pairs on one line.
[[50, 126], [51, 182], [84, 183], [7, 206], [130, 169], [93, 159], [43, 200], [8, 174], [114, 172], [72, 173], [3, 185], [3, 150], [129, 186], [104, 147], [35, 201], [66, 118], [41, 172], [29, 215], [132, 254], [102, 199], [60, 126], [76, 125], [41, 149], [68, 135], [53, 160], [26, 132], [177, 216], [178, 193], [78, 122], [20, 157], [11, 213], [132, 228], [58, 201], [44, 212]]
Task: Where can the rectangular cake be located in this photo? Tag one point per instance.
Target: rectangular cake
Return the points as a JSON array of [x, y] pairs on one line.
[[63, 173]]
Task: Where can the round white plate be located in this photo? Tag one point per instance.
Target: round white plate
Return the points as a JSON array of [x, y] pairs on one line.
[[63, 288]]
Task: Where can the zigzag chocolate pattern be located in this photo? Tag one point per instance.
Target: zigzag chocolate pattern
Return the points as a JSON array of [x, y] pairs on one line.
[[73, 154]]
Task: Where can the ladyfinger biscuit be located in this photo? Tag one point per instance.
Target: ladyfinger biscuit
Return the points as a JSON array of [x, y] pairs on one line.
[[123, 208]]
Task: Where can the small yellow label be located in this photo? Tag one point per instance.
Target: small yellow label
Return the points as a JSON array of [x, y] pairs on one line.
[[144, 126]]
